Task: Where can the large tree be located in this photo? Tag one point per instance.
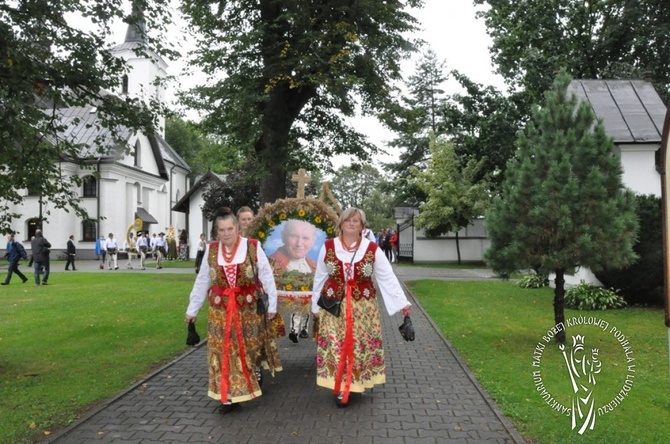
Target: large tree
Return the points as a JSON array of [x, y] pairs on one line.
[[418, 113], [456, 194], [48, 62], [284, 75], [563, 204], [482, 123], [363, 187], [533, 39]]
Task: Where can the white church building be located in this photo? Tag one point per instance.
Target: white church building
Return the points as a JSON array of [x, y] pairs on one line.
[[142, 180]]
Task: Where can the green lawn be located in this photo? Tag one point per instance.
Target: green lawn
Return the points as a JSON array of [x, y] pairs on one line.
[[496, 326], [70, 345]]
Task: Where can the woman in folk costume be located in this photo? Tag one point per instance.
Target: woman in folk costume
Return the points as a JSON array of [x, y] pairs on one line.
[[350, 356], [237, 343]]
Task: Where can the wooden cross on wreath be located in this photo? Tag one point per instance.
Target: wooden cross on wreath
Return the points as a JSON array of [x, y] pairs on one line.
[[301, 179]]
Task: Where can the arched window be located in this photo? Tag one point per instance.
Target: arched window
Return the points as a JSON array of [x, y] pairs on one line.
[[32, 224], [90, 186], [89, 230], [138, 154], [124, 84]]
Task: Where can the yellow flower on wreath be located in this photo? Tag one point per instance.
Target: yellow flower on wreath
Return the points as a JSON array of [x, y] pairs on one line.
[[289, 287], [271, 223], [261, 234], [329, 230], [304, 288], [317, 219], [282, 216], [301, 213]]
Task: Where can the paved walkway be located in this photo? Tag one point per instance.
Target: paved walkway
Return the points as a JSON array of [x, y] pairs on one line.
[[430, 397]]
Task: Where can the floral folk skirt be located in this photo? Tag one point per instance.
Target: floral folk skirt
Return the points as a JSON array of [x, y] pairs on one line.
[[369, 368], [259, 349]]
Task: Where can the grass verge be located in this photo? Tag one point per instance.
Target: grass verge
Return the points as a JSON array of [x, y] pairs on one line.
[[496, 327], [67, 346]]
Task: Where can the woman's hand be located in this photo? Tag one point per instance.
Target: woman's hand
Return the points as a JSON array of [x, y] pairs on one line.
[[406, 309], [271, 315], [189, 319]]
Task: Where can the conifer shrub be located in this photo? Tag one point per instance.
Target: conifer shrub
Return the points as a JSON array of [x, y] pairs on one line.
[[642, 282], [589, 297]]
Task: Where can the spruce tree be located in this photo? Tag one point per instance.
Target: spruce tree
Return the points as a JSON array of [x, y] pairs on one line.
[[563, 204]]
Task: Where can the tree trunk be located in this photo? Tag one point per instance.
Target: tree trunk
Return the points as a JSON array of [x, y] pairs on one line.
[[458, 249], [559, 305], [273, 186]]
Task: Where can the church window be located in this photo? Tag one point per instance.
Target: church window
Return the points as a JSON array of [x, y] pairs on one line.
[[124, 84], [138, 154], [90, 186], [89, 229]]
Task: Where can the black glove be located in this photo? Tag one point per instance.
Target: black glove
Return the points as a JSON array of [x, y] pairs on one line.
[[407, 329], [193, 337]]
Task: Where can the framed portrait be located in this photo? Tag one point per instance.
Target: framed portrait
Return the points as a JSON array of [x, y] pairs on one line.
[[292, 232]]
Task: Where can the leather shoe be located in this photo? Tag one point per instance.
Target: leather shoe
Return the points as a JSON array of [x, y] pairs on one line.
[[227, 408], [4, 283], [293, 337], [339, 403], [24, 281]]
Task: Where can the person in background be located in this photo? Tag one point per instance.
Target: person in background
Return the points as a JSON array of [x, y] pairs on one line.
[[143, 248], [386, 245], [368, 234], [394, 246], [71, 252], [40, 250], [100, 250], [130, 247], [14, 253], [112, 248], [202, 244], [237, 343], [160, 249], [244, 216], [350, 355]]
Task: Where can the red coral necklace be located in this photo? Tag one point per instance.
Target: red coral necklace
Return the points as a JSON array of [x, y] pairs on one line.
[[350, 248], [228, 257]]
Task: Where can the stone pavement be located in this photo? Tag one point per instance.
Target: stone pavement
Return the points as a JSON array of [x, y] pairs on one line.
[[430, 397]]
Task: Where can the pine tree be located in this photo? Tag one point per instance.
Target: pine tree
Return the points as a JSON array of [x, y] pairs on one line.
[[563, 204]]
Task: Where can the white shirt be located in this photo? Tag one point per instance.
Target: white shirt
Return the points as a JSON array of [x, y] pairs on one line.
[[111, 243], [160, 242], [389, 286], [368, 234], [142, 242], [203, 281]]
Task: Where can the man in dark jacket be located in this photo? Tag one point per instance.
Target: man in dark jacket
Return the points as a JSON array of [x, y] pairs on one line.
[[41, 249], [71, 253], [15, 252]]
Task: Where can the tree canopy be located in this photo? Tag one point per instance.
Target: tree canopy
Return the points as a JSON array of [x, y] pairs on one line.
[[563, 204], [48, 64], [284, 75], [532, 40]]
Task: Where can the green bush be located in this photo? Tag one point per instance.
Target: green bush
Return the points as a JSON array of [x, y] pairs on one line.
[[589, 297], [533, 281], [642, 282]]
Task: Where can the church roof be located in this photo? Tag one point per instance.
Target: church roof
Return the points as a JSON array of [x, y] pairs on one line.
[[631, 110], [82, 128], [183, 205]]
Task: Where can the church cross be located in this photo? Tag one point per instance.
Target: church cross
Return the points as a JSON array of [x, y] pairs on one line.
[[301, 179]]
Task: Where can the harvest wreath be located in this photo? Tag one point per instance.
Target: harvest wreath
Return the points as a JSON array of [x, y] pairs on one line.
[[293, 287]]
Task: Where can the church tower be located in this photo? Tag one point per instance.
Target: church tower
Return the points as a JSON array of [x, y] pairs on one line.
[[147, 70]]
